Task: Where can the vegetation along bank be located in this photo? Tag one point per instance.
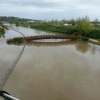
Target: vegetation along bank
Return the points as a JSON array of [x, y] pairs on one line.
[[80, 26], [2, 29]]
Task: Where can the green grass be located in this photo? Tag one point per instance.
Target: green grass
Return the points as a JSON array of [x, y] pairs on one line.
[[98, 40], [24, 25]]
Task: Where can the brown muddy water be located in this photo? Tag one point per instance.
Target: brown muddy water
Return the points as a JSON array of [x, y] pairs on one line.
[[67, 70]]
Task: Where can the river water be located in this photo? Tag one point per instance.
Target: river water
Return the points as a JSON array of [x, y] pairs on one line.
[[49, 70]]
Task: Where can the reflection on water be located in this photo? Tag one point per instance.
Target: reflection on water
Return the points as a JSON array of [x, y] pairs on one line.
[[46, 43], [80, 46], [67, 70], [95, 47]]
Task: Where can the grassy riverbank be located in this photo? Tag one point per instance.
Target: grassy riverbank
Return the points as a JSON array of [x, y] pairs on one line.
[[52, 28], [95, 41], [2, 29], [95, 33]]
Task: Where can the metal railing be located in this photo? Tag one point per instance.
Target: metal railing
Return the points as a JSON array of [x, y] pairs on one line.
[[9, 71], [7, 96]]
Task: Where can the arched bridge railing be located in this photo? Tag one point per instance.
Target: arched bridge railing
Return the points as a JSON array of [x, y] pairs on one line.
[[30, 38]]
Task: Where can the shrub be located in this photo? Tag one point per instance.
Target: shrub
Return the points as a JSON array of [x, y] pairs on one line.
[[84, 38], [94, 34]]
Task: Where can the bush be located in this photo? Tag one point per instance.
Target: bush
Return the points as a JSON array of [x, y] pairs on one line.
[[2, 31], [76, 30], [52, 28], [94, 34], [84, 38], [17, 40]]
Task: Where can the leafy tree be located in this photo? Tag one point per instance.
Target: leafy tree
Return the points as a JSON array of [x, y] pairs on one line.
[[85, 28], [56, 22], [78, 20], [72, 21], [69, 22], [52, 22], [17, 23], [86, 18], [64, 21], [61, 22], [96, 22]]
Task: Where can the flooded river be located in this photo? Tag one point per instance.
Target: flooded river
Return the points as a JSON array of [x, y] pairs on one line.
[[48, 70]]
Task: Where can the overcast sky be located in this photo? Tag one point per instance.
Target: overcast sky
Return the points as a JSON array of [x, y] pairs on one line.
[[50, 9]]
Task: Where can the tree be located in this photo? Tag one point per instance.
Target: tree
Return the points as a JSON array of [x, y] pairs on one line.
[[69, 22], [17, 24], [83, 19], [82, 47], [61, 22], [64, 21], [56, 22], [52, 22], [72, 21], [85, 28], [78, 20], [96, 22], [87, 18]]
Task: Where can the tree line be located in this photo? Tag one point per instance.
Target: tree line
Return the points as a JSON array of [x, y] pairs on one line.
[[13, 20], [81, 26]]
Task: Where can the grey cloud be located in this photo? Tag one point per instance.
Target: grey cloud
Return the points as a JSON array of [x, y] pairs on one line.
[[28, 2], [50, 9]]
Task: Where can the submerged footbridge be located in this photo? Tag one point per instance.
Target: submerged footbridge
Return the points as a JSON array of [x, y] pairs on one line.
[[9, 71], [38, 44], [30, 38]]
